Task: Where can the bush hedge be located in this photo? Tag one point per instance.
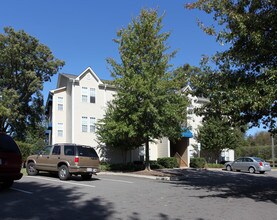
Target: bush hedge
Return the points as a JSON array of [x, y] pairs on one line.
[[168, 162], [198, 162], [104, 166], [25, 148], [155, 165]]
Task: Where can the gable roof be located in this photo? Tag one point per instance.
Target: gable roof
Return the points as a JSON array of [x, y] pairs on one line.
[[65, 77], [92, 72], [70, 76]]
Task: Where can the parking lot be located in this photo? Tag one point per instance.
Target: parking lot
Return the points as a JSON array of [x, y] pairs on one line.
[[200, 195]]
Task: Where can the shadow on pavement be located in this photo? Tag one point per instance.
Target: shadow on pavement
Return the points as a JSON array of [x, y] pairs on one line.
[[73, 177], [52, 202], [259, 187]]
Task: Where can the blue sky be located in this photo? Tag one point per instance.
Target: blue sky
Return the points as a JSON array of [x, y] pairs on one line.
[[81, 32]]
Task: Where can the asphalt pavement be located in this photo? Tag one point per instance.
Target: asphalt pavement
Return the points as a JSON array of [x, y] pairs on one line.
[[200, 195]]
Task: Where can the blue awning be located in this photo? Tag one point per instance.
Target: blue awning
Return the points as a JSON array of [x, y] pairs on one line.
[[187, 133]]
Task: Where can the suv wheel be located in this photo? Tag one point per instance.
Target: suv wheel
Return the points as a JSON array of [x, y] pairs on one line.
[[31, 169], [64, 173], [86, 176]]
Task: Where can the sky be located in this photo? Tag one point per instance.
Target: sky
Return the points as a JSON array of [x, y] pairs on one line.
[[81, 32]]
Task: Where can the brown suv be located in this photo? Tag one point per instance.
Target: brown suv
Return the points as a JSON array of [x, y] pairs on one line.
[[10, 161], [66, 159]]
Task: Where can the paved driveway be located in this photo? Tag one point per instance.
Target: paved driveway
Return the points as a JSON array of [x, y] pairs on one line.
[[202, 195]]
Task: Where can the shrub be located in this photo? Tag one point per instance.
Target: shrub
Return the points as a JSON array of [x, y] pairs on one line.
[[25, 149], [104, 166], [168, 162], [155, 165], [199, 162]]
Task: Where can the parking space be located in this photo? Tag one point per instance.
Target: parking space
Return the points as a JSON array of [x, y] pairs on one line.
[[76, 182], [201, 194]]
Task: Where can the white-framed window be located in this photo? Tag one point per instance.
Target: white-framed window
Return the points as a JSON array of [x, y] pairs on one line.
[[84, 94], [91, 124], [88, 124], [92, 95], [84, 124], [60, 130], [60, 103]]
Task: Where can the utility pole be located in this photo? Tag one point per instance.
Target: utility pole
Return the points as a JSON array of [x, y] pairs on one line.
[[272, 148]]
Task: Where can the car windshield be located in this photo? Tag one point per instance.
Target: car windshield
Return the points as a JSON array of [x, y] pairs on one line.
[[85, 151], [258, 159]]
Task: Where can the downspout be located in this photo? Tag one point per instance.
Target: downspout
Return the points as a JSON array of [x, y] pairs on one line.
[[168, 148], [105, 98], [73, 112], [53, 119]]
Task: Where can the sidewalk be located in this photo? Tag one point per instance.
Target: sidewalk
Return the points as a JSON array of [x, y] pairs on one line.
[[163, 174]]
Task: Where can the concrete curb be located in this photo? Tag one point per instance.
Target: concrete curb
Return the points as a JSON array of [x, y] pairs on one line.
[[126, 174], [162, 178]]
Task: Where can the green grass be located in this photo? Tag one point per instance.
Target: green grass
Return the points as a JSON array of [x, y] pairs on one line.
[[23, 170], [215, 165]]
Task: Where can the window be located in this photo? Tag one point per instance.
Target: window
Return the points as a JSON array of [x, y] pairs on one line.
[[92, 124], [46, 150], [92, 95], [84, 124], [69, 150], [239, 160], [84, 94], [247, 160], [60, 129], [88, 121], [60, 103], [56, 150], [85, 151]]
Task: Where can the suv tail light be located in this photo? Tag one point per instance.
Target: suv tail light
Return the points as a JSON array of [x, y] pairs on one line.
[[261, 164], [76, 159]]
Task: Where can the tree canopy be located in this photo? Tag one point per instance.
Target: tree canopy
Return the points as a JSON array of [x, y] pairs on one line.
[[215, 135], [243, 86], [148, 104], [25, 64]]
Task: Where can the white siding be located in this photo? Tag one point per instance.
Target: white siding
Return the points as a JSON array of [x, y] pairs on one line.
[[163, 148], [59, 117]]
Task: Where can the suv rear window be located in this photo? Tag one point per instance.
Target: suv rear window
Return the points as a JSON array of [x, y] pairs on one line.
[[69, 150], [8, 145], [84, 151]]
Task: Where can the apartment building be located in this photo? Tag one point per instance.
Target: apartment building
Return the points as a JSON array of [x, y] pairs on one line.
[[79, 101], [75, 106]]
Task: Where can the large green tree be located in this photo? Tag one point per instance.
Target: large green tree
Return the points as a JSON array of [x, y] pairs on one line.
[[114, 132], [149, 104], [243, 85], [215, 135], [25, 64]]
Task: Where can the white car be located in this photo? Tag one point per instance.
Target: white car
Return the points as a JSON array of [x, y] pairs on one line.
[[250, 164]]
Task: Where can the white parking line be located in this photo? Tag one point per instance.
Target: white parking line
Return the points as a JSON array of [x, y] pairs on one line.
[[63, 182], [113, 180], [20, 190]]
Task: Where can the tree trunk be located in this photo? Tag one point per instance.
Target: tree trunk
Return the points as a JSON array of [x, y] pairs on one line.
[[147, 163], [124, 156]]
